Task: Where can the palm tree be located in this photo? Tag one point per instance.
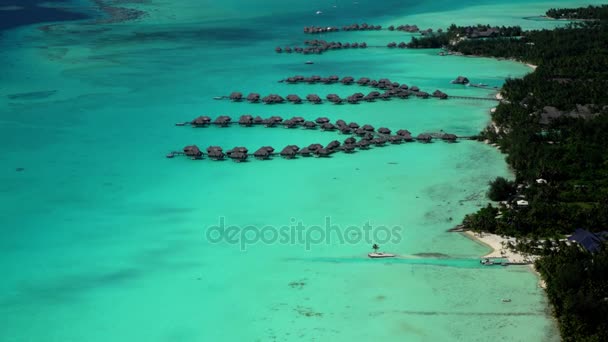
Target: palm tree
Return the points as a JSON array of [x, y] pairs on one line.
[[375, 247]]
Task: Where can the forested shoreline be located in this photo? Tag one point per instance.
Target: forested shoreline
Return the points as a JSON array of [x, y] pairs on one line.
[[553, 126]]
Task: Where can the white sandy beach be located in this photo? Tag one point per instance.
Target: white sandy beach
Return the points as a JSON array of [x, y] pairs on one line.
[[499, 247]]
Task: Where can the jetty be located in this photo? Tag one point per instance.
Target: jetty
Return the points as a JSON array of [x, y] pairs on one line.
[[384, 90], [358, 138]]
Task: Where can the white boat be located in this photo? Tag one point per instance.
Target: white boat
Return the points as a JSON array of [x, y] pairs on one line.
[[378, 255]]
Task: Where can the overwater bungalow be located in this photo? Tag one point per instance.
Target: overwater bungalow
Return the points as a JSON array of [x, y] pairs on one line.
[[395, 139], [363, 81], [352, 99], [288, 153], [314, 147], [362, 144], [328, 126], [253, 97], [353, 125], [340, 123], [461, 80], [350, 141], [293, 147], [193, 152], [272, 99], [309, 125], [440, 94], [368, 128], [407, 136], [238, 157], [449, 137], [215, 154], [424, 137], [348, 148], [345, 130], [333, 145], [290, 124], [294, 99], [321, 120], [374, 94], [313, 98], [201, 121], [222, 121], [391, 45], [334, 98], [305, 152], [261, 154], [402, 45], [368, 136], [360, 132], [298, 119], [258, 120], [347, 80], [236, 96], [270, 149], [278, 49], [322, 152], [238, 149], [414, 88], [384, 130], [246, 120], [423, 94], [379, 141]]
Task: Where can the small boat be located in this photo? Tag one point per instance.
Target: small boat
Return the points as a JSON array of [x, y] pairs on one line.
[[378, 255], [218, 97], [506, 300], [170, 155], [309, 62], [180, 124]]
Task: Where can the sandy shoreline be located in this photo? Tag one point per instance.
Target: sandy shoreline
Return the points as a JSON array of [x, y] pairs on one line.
[[498, 244]]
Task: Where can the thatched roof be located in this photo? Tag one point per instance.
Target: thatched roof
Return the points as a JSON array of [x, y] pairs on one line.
[[309, 124], [261, 153], [236, 96], [192, 151], [201, 121], [461, 80], [425, 137]]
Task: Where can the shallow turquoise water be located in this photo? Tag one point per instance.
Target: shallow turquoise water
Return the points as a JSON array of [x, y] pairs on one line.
[[104, 238]]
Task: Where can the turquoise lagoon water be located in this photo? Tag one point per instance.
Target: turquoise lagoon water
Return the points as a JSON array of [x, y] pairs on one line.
[[105, 239]]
